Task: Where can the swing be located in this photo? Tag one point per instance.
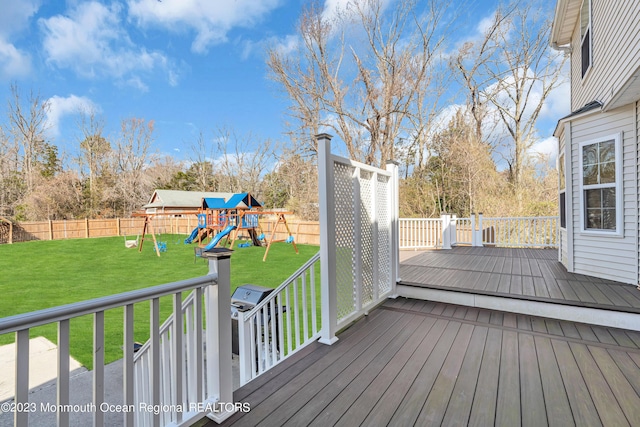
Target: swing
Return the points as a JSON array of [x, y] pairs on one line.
[[129, 244]]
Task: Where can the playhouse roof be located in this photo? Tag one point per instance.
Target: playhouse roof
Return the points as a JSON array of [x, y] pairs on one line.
[[235, 201], [181, 199]]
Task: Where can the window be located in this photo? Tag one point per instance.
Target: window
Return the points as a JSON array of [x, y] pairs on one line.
[[585, 35], [562, 197], [601, 182]]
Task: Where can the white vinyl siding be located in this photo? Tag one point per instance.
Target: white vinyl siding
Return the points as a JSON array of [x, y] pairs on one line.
[[563, 250], [615, 52], [604, 254], [638, 194]]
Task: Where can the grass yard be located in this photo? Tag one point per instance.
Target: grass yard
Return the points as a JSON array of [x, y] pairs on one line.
[[41, 274]]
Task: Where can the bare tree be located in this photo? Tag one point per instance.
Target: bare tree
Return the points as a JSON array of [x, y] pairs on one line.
[[201, 168], [241, 161], [364, 88], [509, 74], [10, 182], [28, 125], [95, 152], [132, 156]]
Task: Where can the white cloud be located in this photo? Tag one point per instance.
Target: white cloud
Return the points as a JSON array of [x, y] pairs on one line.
[[547, 146], [91, 41], [13, 62], [283, 45], [16, 14], [14, 18], [60, 107], [210, 20]]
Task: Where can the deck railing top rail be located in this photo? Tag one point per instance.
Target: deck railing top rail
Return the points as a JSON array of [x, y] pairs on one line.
[[55, 314]]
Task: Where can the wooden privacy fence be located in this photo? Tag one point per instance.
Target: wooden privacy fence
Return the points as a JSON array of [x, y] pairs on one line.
[[304, 232]]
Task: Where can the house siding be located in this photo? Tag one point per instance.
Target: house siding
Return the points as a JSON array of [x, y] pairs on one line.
[[637, 117], [563, 249], [609, 257], [615, 52]]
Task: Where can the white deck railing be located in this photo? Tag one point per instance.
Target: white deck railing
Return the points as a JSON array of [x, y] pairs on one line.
[[282, 324], [420, 233], [520, 232], [172, 367], [447, 231]]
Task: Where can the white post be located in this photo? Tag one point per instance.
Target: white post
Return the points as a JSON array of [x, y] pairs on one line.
[[326, 198], [446, 232], [218, 339], [453, 227], [394, 206], [480, 239], [473, 230]]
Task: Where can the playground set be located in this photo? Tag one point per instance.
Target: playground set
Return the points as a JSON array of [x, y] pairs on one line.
[[226, 218]]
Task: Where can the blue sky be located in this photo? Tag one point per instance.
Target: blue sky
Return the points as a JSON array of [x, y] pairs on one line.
[[189, 65]]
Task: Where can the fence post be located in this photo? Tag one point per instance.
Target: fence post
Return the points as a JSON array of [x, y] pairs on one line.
[[446, 232], [326, 197], [218, 332]]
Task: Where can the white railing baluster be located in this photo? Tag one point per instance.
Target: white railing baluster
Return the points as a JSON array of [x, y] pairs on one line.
[[127, 374], [98, 366], [280, 318], [62, 385], [273, 339], [289, 315], [314, 313], [296, 313], [21, 418], [197, 357], [177, 364], [154, 331], [305, 313], [272, 333]]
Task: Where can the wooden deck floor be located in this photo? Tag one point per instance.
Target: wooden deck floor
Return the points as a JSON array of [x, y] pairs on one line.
[[413, 362], [533, 274]]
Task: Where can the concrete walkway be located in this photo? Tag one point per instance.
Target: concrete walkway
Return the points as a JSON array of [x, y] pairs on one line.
[[42, 365]]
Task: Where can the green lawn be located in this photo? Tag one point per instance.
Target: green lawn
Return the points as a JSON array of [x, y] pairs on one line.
[[42, 274]]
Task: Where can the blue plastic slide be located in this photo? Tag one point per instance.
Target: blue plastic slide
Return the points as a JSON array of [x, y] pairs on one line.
[[219, 237], [193, 235]]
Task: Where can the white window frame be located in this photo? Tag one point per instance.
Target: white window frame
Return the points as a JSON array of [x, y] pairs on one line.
[[618, 232], [582, 37]]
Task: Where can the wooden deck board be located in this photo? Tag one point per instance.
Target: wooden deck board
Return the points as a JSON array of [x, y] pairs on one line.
[[459, 405], [423, 363], [415, 397], [533, 407], [394, 391], [435, 407], [622, 390], [533, 273], [605, 403], [557, 405], [508, 406], [374, 360]]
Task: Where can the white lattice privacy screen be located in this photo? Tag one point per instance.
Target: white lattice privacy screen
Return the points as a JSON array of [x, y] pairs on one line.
[[360, 204]]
